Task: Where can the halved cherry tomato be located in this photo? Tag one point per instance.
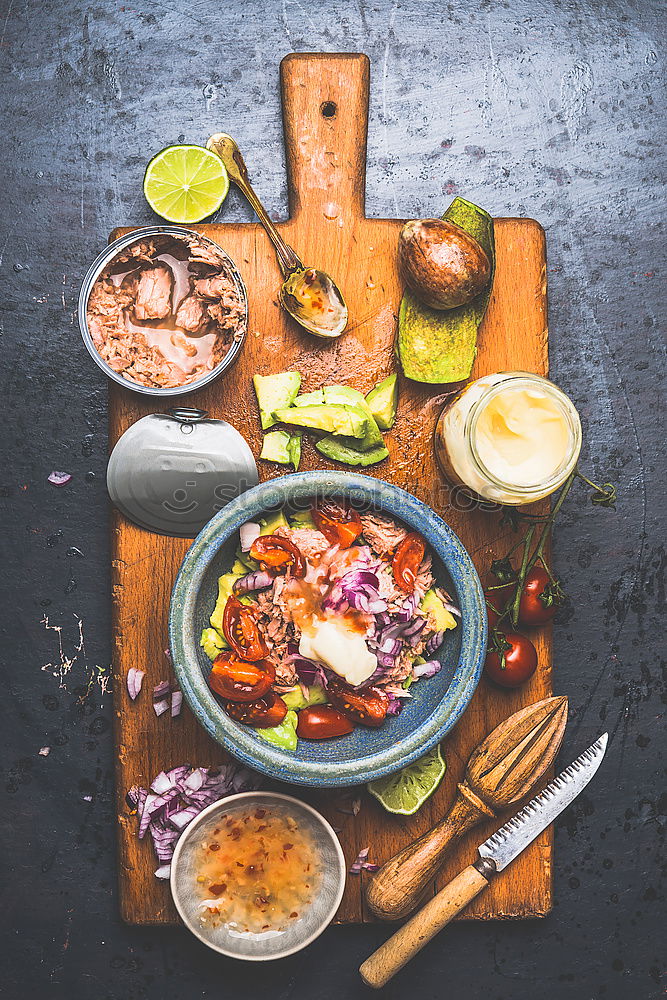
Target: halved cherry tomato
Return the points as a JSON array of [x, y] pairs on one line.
[[242, 632], [515, 665], [538, 603], [264, 713], [338, 521], [406, 562], [239, 680], [365, 705], [276, 554], [321, 722]]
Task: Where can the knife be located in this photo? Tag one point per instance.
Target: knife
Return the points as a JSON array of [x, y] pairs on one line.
[[495, 854]]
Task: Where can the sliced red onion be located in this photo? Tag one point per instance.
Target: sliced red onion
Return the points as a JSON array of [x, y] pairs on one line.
[[134, 681], [447, 601], [161, 690], [434, 642], [258, 580], [176, 703], [428, 669], [176, 797], [361, 863], [249, 532], [59, 478]]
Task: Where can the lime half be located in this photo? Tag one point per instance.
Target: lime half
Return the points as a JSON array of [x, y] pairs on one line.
[[185, 183], [406, 791]]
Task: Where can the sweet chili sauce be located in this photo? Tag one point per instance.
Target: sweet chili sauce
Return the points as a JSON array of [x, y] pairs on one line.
[[257, 870]]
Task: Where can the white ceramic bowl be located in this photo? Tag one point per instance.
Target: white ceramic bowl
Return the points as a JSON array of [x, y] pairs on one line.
[[264, 947]]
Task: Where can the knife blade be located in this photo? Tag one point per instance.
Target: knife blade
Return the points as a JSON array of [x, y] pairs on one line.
[[512, 838], [494, 855]]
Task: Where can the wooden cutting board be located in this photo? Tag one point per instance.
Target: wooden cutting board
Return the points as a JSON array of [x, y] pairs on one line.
[[325, 108]]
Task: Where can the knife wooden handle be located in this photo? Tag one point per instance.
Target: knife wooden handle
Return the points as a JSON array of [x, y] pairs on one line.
[[379, 968], [395, 890]]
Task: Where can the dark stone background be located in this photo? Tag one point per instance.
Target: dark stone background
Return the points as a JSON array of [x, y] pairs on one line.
[[545, 110]]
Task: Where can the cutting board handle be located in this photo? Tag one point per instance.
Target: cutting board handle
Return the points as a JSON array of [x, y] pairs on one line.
[[325, 115]]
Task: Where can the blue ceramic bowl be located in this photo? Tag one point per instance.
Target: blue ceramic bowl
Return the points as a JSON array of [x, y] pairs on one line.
[[437, 702]]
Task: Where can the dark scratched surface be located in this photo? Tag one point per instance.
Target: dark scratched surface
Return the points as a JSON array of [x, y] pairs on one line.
[[547, 110]]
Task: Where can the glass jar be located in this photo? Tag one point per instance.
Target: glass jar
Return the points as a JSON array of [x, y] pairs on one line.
[[511, 437]]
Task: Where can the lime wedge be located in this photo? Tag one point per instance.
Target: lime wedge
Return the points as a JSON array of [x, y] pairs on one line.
[[185, 183], [406, 791]]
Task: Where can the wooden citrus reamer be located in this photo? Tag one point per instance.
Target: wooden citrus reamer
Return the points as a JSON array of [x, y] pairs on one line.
[[503, 769]]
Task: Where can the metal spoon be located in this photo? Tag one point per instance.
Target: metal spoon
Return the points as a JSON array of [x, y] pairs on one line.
[[310, 296]]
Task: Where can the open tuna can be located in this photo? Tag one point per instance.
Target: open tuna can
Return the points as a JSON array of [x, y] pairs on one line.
[[163, 311]]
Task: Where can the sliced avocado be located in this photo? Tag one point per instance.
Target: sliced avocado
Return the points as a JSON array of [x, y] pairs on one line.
[[294, 698], [275, 447], [345, 394], [382, 402], [334, 448], [274, 392], [334, 418], [243, 559], [274, 519], [225, 587], [301, 519], [284, 735], [212, 642], [294, 450], [315, 398], [436, 610]]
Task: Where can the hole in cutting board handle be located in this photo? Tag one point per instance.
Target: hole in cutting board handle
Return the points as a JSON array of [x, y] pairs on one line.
[[328, 109]]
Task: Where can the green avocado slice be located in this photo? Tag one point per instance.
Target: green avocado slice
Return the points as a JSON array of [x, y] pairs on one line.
[[274, 392], [335, 448], [335, 418], [440, 345], [383, 401]]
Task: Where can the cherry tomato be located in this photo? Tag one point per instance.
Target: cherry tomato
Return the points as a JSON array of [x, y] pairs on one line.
[[406, 562], [511, 668], [338, 521], [264, 713], [276, 554], [321, 722], [239, 680], [365, 705], [533, 610], [242, 632]]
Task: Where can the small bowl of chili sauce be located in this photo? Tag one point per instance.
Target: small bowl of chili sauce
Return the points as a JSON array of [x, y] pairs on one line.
[[258, 876]]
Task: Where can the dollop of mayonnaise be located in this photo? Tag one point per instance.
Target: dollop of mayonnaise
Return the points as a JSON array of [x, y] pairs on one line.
[[330, 641], [522, 436]]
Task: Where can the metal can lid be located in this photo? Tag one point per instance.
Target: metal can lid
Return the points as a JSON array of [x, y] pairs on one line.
[[171, 472]]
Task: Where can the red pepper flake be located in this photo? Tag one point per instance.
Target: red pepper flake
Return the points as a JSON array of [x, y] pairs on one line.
[[240, 864], [214, 847], [218, 888], [261, 901], [287, 847], [260, 813], [294, 914], [235, 833]]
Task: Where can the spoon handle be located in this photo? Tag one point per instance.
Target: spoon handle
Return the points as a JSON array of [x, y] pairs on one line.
[[230, 154], [396, 889]]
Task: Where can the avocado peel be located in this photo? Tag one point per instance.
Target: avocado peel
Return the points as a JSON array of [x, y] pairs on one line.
[[439, 346]]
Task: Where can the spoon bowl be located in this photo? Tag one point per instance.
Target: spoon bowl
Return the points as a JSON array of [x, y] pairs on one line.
[[310, 296]]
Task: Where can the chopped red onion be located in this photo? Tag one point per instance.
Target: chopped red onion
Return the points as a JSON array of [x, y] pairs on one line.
[[59, 478], [428, 669], [160, 707], [249, 532], [45, 751], [134, 681], [258, 580], [161, 690], [176, 797], [434, 642], [176, 703], [395, 706], [361, 863]]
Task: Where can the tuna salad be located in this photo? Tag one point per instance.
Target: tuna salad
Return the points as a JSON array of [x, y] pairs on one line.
[[325, 621], [165, 311]]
